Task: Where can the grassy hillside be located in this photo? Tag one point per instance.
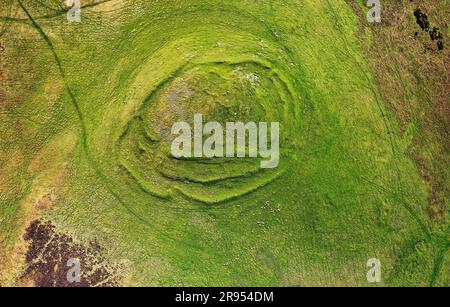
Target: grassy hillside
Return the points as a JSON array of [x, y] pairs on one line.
[[85, 116]]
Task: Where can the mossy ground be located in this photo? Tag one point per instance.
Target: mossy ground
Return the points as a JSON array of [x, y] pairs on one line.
[[84, 118]]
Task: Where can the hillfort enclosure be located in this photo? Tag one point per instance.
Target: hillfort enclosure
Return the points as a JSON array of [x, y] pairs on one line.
[[224, 143]]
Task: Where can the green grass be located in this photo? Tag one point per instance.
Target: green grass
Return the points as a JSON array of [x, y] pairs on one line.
[[345, 190]]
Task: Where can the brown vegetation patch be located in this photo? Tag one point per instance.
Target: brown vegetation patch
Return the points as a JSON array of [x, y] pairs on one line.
[[45, 202], [410, 63], [48, 255], [10, 76]]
